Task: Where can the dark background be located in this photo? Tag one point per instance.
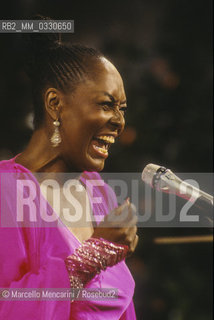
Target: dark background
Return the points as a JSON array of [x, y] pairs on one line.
[[163, 50]]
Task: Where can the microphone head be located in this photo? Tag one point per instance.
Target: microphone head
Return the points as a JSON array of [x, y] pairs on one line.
[[148, 173]]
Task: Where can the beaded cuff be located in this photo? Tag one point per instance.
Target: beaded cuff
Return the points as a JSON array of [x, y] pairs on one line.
[[90, 258]]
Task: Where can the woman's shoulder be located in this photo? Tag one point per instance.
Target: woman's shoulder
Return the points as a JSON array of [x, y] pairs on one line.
[[6, 166], [12, 166]]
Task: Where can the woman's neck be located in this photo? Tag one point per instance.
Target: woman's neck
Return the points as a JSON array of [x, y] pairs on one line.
[[40, 156]]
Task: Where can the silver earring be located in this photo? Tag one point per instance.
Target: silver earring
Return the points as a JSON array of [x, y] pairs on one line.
[[56, 138]]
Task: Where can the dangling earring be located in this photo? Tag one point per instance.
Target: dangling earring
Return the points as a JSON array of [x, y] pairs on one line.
[[56, 138]]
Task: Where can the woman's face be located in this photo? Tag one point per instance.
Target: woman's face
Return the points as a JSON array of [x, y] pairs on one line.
[[91, 118]]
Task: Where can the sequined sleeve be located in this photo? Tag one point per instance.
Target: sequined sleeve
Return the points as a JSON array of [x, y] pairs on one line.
[[93, 256]]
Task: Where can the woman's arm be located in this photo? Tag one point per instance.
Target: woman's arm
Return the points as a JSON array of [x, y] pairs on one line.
[[91, 258], [30, 269], [109, 245]]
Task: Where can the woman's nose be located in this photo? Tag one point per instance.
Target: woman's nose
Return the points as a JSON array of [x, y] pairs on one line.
[[117, 121]]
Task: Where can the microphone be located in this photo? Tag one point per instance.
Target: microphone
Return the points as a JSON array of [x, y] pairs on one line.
[[166, 181]]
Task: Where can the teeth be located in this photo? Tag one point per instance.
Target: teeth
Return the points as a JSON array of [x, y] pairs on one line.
[[101, 149], [108, 139]]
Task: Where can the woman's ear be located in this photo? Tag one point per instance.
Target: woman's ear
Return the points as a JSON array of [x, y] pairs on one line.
[[53, 103]]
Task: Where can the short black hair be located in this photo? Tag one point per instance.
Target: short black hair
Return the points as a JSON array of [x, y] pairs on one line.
[[50, 62]]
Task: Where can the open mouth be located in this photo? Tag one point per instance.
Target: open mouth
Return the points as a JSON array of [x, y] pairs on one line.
[[101, 144]]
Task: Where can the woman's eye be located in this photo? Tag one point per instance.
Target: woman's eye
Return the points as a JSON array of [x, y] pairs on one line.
[[123, 110], [106, 105]]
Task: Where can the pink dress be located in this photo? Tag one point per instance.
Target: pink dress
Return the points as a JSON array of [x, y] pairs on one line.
[[32, 255]]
